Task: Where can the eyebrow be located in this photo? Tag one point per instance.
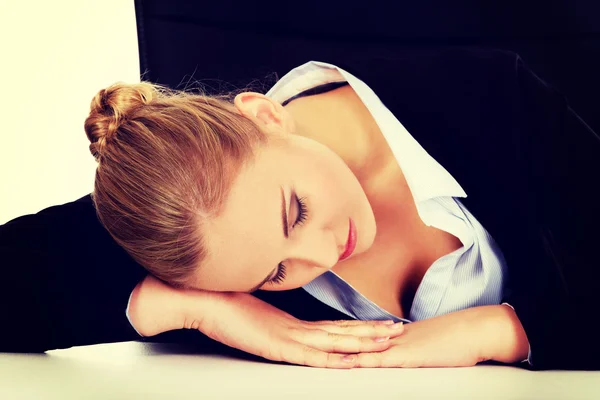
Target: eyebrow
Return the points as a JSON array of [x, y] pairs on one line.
[[284, 217], [284, 222]]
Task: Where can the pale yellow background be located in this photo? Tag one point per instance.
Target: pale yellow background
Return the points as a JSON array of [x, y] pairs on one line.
[[54, 56]]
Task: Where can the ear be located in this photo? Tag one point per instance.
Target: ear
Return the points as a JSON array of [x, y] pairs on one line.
[[261, 109]]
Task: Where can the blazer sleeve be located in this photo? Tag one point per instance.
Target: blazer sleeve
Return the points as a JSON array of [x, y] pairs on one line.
[[556, 296], [65, 282]]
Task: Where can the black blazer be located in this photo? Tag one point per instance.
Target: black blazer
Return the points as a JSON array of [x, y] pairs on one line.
[[528, 163]]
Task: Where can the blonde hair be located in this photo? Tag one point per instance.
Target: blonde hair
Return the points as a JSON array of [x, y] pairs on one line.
[[166, 160]]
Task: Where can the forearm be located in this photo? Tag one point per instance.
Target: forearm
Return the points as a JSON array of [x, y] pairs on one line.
[[503, 337], [156, 307]]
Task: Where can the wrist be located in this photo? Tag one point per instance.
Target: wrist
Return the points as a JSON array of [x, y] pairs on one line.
[[196, 308], [156, 307], [506, 340]]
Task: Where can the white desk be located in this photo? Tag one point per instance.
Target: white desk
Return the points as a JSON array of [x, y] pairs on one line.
[[152, 371]]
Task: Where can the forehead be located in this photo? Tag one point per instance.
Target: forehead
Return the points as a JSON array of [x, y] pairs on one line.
[[249, 225]]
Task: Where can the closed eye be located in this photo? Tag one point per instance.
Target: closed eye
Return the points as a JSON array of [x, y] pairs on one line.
[[300, 219], [302, 211]]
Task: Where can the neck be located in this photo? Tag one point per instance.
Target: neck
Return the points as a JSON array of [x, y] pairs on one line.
[[339, 120]]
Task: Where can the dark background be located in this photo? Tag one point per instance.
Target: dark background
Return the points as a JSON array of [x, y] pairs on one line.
[[226, 44]]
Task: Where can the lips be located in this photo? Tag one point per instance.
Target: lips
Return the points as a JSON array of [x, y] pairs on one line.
[[350, 242]]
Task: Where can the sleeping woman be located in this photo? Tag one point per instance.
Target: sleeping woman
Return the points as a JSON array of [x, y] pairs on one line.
[[316, 191]]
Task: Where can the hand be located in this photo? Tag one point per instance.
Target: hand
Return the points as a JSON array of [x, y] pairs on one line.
[[242, 321], [459, 339]]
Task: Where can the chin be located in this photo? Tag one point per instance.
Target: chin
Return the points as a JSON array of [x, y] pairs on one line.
[[364, 247], [366, 238], [369, 232]]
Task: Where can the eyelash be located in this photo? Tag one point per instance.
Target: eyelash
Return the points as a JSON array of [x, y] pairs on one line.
[[279, 276], [302, 215]]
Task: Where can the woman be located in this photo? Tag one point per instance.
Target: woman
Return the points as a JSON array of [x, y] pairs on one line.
[[302, 187]]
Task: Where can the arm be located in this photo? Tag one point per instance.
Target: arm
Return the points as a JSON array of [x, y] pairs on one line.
[[528, 359], [65, 281], [68, 284], [457, 339], [243, 322], [506, 339], [557, 300], [155, 307]]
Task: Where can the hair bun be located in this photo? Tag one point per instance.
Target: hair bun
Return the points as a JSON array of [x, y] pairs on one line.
[[110, 107]]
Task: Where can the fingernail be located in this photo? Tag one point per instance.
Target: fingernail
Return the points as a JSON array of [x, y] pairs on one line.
[[381, 339], [348, 358], [396, 326], [390, 322]]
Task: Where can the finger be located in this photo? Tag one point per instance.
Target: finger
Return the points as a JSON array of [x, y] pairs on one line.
[[350, 322], [384, 359], [311, 357], [368, 328], [340, 343]]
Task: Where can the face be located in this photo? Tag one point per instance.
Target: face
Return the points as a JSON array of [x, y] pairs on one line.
[[289, 209]]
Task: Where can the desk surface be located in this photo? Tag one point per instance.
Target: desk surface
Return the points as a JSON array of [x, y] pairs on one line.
[[135, 370]]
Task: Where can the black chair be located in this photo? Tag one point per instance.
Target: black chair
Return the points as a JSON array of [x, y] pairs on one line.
[[227, 44]]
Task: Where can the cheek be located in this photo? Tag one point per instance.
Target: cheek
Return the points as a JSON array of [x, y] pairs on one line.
[[339, 195]]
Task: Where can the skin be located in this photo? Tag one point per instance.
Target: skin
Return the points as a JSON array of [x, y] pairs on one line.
[[329, 151]]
